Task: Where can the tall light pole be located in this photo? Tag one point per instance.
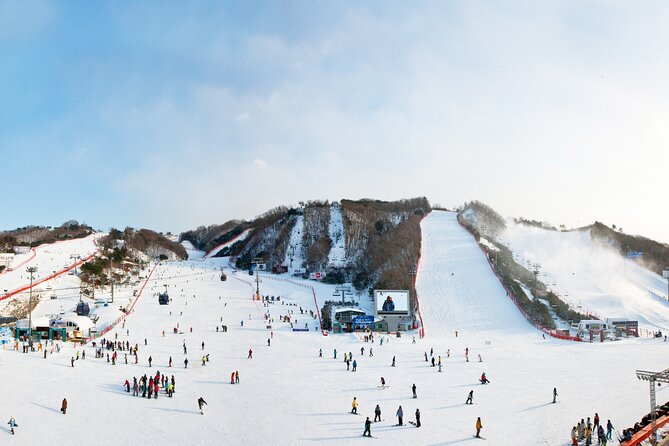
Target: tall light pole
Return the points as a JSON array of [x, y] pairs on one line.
[[32, 270], [653, 378]]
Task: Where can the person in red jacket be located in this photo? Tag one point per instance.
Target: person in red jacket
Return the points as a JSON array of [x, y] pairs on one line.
[[232, 378]]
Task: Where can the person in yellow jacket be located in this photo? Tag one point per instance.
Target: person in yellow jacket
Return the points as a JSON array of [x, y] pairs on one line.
[[479, 426], [355, 406]]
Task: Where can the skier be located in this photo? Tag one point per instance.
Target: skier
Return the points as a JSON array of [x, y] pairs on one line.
[[335, 353], [400, 415], [417, 418], [433, 361], [383, 382], [368, 428], [393, 364], [169, 365], [609, 429], [355, 365], [413, 390], [354, 405], [596, 421], [237, 377], [377, 413], [470, 397], [370, 352], [186, 363], [63, 406], [574, 436], [150, 360], [362, 351], [127, 386], [320, 352], [479, 426], [250, 356], [554, 394], [232, 378], [200, 403], [600, 434], [202, 345], [12, 424], [268, 344]]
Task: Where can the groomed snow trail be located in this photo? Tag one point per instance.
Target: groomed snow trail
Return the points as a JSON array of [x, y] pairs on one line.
[[457, 288]]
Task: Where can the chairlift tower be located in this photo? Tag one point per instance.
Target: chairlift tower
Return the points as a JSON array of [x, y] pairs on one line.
[[257, 261], [344, 292], [74, 258], [653, 378], [32, 270]]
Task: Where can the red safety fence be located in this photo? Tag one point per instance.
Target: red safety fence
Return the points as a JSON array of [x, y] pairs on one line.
[[46, 279], [514, 299], [120, 319]]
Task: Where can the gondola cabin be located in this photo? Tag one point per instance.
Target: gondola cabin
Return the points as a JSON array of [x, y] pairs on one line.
[[163, 299]]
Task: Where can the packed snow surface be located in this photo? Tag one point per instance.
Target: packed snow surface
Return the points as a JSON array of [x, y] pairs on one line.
[[289, 395], [337, 254], [591, 277]]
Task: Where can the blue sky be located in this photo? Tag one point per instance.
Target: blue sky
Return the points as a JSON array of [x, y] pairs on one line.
[[171, 115]]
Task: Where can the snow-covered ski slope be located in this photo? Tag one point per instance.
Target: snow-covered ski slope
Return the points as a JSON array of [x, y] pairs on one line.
[[49, 259], [457, 289], [591, 277], [337, 254], [288, 395], [227, 244]]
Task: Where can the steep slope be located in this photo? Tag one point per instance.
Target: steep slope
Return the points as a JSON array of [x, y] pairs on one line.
[[590, 276], [457, 289]]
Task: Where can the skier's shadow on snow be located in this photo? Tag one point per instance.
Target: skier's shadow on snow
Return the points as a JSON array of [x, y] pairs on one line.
[[114, 388], [190, 412], [6, 430], [534, 407], [45, 407]]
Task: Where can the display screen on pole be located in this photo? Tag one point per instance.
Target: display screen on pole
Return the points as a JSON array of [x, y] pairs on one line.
[[391, 301]]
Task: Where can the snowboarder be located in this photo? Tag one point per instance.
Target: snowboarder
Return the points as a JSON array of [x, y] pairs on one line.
[[470, 397], [383, 382], [201, 403], [393, 364], [483, 379], [413, 390], [368, 428], [12, 424], [417, 418], [354, 405], [554, 394], [63, 406], [400, 415], [377, 413], [479, 426]]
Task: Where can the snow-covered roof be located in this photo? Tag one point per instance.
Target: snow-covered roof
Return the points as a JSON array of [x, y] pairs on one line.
[[354, 310]]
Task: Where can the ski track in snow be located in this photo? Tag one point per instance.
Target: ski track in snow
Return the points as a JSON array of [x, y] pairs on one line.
[[288, 395]]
